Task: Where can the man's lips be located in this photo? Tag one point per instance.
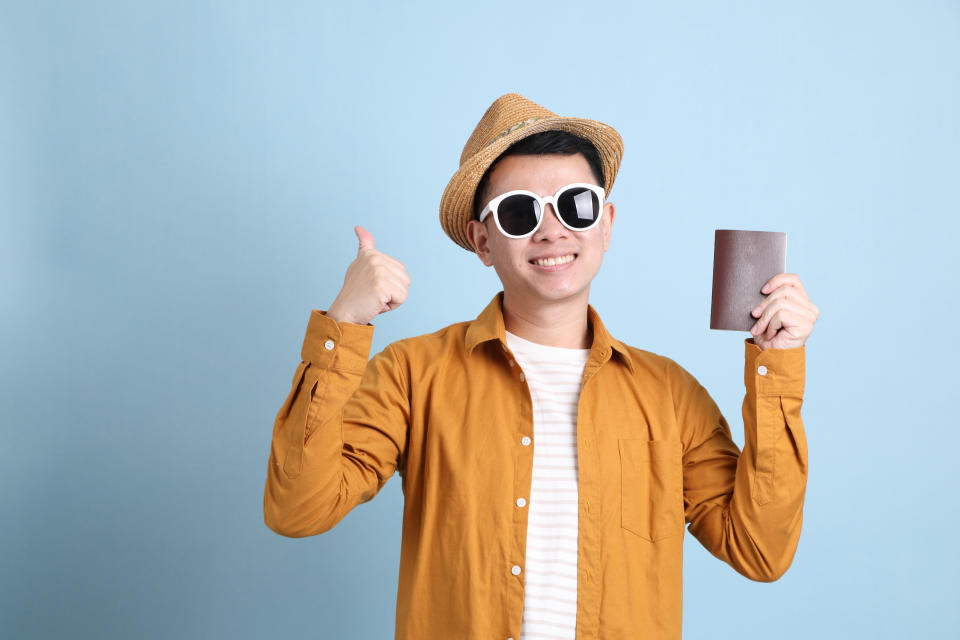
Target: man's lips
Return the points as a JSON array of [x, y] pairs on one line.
[[554, 261]]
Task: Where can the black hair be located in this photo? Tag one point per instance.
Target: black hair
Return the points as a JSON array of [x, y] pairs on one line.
[[543, 143]]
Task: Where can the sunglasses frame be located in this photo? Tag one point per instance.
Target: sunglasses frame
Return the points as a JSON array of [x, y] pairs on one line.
[[494, 204]]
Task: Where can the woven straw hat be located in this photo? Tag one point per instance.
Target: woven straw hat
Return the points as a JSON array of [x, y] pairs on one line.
[[510, 118]]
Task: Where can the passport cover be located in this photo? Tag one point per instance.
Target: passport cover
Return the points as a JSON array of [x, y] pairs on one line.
[[743, 261]]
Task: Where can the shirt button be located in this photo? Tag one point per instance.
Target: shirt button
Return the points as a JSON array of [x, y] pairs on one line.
[[762, 370], [521, 502], [525, 441], [328, 345], [515, 569], [522, 377], [511, 363]]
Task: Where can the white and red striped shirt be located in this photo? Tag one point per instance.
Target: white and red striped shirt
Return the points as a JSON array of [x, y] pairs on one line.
[[554, 376]]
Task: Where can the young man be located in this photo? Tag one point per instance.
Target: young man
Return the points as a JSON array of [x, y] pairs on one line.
[[548, 469]]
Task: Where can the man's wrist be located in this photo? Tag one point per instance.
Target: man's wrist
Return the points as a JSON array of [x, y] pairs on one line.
[[336, 314]]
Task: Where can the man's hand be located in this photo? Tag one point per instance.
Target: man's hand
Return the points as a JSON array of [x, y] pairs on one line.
[[786, 315], [375, 283]]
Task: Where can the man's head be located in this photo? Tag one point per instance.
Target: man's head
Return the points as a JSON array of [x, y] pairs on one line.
[[543, 143], [555, 262], [512, 118]]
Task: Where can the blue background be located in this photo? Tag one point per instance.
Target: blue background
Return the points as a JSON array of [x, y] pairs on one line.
[[178, 187]]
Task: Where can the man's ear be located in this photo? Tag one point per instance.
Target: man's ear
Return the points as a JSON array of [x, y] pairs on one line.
[[608, 215], [480, 241]]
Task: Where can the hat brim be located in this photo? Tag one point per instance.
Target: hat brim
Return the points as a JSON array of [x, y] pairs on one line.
[[456, 205]]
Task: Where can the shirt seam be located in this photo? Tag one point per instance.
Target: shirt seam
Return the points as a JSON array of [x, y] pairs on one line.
[[344, 369], [399, 367]]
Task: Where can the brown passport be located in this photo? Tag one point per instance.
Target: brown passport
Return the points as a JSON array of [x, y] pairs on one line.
[[743, 261]]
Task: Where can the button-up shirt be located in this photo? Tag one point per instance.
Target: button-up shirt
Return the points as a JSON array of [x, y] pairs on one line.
[[454, 417]]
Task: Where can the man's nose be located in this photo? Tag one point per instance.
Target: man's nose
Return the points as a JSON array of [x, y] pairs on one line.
[[551, 227]]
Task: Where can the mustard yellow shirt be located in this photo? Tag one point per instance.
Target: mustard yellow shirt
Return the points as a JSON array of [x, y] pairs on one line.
[[452, 413]]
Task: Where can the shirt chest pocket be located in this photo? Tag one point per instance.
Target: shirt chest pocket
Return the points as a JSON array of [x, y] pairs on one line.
[[651, 488]]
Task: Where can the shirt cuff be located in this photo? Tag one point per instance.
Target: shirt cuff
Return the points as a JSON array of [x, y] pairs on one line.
[[774, 372], [330, 344]]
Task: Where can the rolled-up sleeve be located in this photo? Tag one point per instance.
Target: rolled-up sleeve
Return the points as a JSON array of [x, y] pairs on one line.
[[322, 464], [747, 508]]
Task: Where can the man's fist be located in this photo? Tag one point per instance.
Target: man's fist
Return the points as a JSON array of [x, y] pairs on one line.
[[786, 316], [375, 283]]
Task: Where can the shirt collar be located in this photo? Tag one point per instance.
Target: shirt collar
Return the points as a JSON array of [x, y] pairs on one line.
[[489, 326]]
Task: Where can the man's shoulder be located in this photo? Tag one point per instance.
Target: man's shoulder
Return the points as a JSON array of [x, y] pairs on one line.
[[652, 363], [454, 331], [651, 366], [435, 342]]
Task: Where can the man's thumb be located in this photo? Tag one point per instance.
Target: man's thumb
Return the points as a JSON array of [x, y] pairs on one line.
[[366, 240]]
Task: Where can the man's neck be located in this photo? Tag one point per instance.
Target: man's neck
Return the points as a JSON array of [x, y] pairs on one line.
[[554, 324]]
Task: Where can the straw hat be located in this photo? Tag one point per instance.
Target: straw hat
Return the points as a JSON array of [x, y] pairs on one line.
[[510, 118]]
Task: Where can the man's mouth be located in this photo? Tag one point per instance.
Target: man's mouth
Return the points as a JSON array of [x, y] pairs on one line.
[[551, 262]]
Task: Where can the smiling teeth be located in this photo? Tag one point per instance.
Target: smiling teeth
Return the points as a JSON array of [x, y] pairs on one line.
[[549, 262]]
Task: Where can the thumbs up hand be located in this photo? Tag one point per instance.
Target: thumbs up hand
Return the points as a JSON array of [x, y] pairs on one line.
[[365, 238], [375, 283]]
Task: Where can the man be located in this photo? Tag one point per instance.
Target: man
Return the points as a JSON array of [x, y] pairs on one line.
[[548, 469]]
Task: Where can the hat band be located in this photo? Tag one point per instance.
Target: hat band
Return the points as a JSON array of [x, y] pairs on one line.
[[514, 127]]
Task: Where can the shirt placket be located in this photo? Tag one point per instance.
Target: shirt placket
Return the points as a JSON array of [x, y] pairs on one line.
[[588, 530], [521, 434]]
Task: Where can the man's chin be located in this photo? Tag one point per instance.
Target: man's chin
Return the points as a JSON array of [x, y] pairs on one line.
[[549, 296]]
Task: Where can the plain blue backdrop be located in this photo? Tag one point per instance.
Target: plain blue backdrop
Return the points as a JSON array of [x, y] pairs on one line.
[[178, 187]]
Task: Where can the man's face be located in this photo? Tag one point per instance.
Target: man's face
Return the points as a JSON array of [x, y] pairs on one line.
[[525, 282]]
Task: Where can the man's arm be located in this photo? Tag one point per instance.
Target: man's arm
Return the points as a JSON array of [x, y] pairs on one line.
[[747, 508], [342, 429]]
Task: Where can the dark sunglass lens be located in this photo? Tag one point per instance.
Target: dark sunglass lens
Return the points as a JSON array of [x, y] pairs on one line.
[[579, 207], [518, 214]]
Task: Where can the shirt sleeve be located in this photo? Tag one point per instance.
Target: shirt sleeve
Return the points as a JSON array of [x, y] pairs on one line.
[[340, 432], [747, 508]]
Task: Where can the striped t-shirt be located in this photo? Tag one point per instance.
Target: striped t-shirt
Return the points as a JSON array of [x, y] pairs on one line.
[[554, 376]]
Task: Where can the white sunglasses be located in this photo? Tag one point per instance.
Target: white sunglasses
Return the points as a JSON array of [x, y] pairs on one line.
[[519, 213]]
